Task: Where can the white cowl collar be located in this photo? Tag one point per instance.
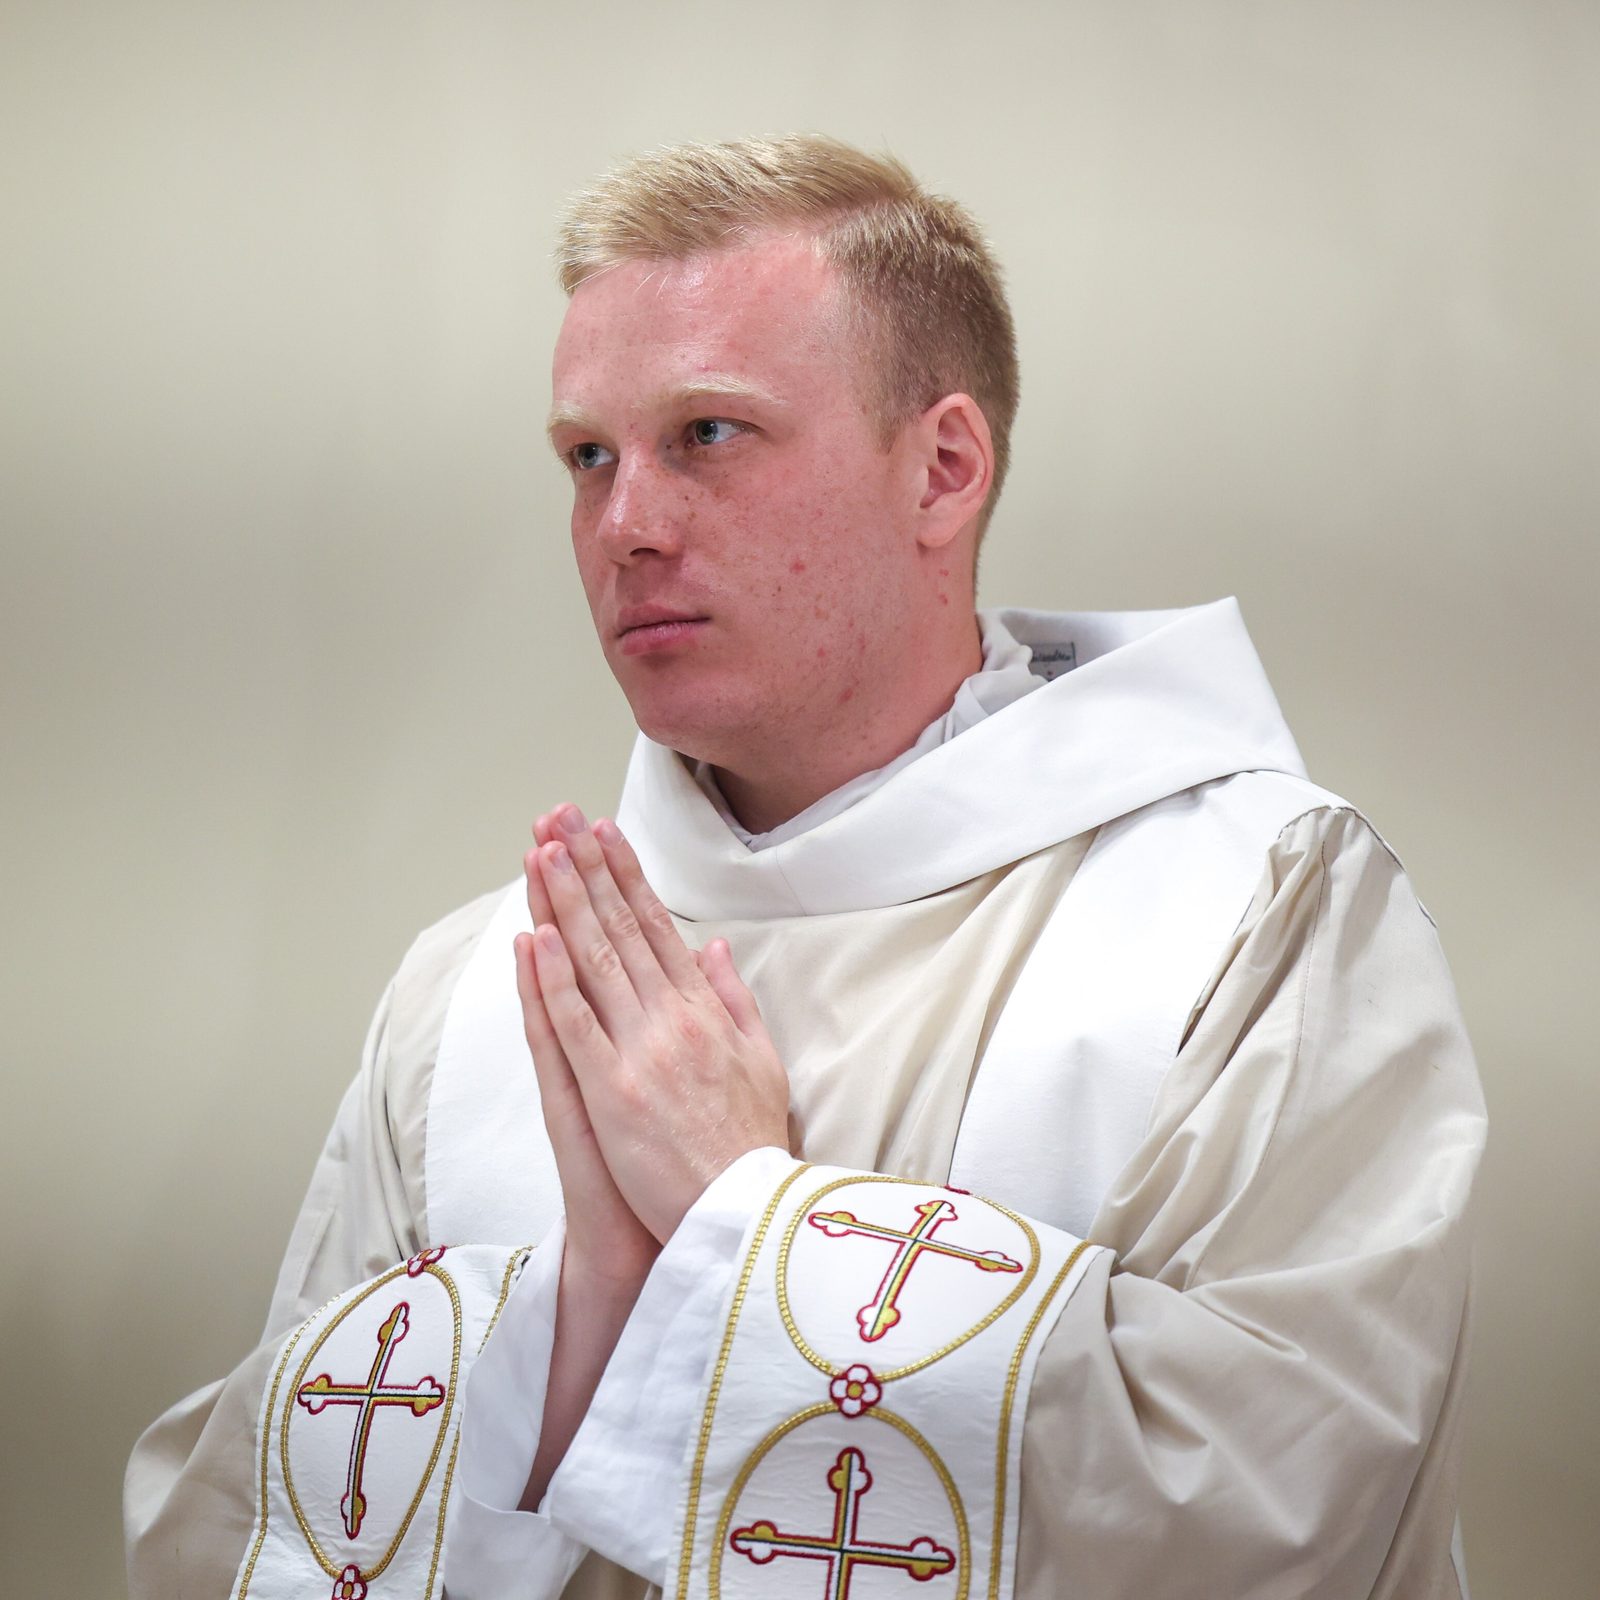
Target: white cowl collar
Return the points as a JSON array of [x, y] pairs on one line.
[[1137, 705]]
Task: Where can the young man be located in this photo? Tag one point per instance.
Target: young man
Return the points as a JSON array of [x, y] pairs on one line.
[[1028, 925]]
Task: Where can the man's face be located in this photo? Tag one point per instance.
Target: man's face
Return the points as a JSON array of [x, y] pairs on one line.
[[738, 528]]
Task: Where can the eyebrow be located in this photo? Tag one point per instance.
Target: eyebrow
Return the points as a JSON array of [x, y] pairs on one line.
[[709, 386]]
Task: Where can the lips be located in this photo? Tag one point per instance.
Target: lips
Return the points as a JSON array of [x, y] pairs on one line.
[[645, 630], [634, 617]]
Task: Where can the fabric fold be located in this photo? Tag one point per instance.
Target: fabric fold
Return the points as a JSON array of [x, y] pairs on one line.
[[1136, 706], [622, 1483], [497, 1550]]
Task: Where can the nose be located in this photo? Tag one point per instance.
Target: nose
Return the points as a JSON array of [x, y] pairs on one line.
[[642, 515]]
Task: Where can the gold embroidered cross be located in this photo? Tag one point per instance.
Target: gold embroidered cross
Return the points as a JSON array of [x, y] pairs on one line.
[[843, 1548], [420, 1398], [881, 1313]]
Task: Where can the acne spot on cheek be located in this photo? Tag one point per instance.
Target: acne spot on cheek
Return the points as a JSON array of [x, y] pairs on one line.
[[797, 565], [847, 696], [944, 572], [822, 649], [944, 599]]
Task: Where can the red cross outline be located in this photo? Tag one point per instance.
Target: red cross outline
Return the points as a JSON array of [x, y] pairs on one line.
[[843, 1549], [881, 1313], [420, 1398]]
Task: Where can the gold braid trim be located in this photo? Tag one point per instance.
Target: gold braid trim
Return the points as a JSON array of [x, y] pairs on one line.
[[266, 1448], [1007, 1403], [697, 1473]]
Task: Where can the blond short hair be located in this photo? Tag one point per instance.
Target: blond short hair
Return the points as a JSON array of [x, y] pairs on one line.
[[919, 278]]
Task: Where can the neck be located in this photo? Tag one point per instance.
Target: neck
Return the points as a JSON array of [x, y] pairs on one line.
[[767, 787]]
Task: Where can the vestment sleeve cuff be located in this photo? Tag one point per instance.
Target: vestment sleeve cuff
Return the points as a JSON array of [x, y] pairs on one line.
[[494, 1551], [621, 1486], [879, 1331]]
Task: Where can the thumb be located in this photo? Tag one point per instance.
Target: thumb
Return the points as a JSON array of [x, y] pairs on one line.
[[716, 962]]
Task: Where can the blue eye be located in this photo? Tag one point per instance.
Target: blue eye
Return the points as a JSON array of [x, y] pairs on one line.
[[703, 430], [587, 456]]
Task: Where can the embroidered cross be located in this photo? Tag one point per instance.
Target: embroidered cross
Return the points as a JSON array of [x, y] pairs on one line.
[[843, 1548], [420, 1398], [880, 1314]]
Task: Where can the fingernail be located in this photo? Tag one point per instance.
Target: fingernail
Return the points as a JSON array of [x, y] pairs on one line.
[[559, 859], [572, 820], [606, 831]]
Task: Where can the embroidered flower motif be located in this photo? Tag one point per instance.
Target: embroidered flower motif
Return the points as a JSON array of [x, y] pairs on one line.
[[855, 1390], [419, 1264], [350, 1585]]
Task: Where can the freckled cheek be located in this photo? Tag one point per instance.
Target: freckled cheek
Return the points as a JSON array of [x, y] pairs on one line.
[[586, 513]]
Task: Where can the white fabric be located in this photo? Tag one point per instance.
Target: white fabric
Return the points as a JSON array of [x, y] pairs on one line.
[[484, 1104], [359, 1424], [494, 1548], [1157, 702], [615, 1488], [1100, 1008]]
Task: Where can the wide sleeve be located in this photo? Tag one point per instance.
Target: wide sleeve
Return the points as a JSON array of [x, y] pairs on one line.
[[1259, 1393], [336, 1453], [1247, 1384], [189, 1492]]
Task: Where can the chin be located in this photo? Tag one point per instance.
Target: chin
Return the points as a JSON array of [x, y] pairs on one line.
[[667, 717], [685, 720]]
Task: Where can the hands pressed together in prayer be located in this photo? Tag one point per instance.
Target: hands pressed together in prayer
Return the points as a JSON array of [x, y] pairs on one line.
[[655, 1072], [654, 1067]]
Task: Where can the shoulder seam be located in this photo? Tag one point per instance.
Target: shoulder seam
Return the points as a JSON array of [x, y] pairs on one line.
[[1337, 806]]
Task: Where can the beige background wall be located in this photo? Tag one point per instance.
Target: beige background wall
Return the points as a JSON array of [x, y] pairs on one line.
[[290, 651]]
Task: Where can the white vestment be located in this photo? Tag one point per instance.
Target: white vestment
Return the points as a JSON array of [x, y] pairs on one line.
[[1106, 960]]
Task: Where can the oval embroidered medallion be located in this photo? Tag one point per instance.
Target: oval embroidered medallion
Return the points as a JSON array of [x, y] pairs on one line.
[[896, 1274], [815, 1513], [368, 1411]]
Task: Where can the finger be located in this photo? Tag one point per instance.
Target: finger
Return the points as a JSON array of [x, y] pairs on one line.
[[539, 907], [543, 1044], [598, 968], [612, 911], [560, 1098], [566, 1116], [577, 1029], [716, 962], [676, 958]]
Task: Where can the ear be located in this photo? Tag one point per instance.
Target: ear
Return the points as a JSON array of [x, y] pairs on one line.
[[956, 468]]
